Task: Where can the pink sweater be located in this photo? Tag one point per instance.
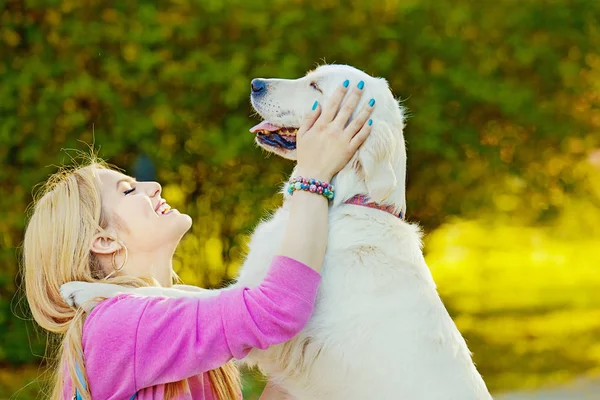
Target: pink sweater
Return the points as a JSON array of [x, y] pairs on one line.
[[137, 344]]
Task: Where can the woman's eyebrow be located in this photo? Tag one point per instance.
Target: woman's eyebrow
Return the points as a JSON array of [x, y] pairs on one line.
[[129, 180]]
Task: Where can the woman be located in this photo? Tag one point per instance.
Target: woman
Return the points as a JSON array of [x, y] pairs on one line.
[[95, 224]]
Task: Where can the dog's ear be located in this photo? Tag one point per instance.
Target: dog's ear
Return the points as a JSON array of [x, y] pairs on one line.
[[375, 157]]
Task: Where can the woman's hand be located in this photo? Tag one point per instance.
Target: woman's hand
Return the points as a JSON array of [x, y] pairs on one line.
[[324, 144], [325, 141]]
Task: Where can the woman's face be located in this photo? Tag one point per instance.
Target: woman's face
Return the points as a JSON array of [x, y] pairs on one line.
[[139, 216]]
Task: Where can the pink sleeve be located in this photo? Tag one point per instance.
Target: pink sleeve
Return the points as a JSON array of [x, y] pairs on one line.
[[149, 340]]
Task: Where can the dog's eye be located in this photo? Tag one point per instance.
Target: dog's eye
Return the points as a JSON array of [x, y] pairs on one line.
[[315, 86]]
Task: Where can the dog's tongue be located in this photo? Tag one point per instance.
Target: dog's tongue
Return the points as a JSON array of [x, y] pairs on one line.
[[265, 126]]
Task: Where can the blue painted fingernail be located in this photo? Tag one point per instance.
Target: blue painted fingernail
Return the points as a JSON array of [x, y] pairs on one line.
[[361, 85], [346, 83], [315, 105], [372, 102], [370, 122]]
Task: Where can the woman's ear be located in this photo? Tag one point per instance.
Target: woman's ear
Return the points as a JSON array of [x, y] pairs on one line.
[[375, 157], [105, 243]]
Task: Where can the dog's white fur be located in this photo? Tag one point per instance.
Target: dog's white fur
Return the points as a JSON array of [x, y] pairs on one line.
[[379, 330]]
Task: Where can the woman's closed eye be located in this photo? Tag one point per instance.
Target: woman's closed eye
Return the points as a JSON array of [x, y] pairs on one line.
[[128, 191]]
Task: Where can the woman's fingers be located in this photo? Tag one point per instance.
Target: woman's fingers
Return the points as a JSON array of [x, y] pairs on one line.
[[310, 119], [361, 136], [349, 105], [359, 120], [333, 104]]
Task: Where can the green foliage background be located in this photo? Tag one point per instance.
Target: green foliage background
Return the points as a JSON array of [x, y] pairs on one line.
[[502, 138]]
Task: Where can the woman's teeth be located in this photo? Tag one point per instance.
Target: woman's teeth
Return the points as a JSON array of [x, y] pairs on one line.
[[163, 209]]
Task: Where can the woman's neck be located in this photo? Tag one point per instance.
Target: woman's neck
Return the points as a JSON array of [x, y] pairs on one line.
[[158, 265]]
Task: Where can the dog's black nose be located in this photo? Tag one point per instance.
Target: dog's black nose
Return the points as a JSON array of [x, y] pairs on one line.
[[258, 86]]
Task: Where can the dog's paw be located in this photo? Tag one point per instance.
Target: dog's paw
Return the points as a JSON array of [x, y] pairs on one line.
[[77, 294], [69, 290]]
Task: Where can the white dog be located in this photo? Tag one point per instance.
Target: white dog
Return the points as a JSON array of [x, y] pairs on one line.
[[379, 330]]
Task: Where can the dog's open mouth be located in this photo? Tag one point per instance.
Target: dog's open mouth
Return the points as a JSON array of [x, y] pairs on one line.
[[276, 136]]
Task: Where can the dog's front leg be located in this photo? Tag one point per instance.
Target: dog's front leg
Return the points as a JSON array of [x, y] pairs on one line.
[[81, 294]]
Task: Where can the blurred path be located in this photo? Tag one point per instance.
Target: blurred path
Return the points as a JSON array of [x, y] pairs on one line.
[[583, 389]]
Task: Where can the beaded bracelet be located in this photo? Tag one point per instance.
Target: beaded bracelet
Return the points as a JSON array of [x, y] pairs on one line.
[[311, 185]]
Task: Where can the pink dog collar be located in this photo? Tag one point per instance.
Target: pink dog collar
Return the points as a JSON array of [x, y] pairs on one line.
[[363, 200]]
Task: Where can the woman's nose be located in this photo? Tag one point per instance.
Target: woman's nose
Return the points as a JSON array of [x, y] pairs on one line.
[[155, 189]]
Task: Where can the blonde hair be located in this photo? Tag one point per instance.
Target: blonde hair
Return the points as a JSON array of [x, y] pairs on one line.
[[66, 216]]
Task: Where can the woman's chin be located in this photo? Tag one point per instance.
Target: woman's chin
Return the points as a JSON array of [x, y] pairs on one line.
[[178, 225], [172, 237], [185, 222]]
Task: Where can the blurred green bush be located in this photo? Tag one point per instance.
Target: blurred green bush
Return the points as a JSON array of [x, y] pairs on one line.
[[503, 97]]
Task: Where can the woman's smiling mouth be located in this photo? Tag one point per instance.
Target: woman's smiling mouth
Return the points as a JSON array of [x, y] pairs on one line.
[[163, 208]]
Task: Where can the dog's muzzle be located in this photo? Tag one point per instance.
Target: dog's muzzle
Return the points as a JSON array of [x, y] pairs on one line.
[[275, 136]]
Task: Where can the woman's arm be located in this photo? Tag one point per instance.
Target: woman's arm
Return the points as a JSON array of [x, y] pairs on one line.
[[146, 341], [324, 144]]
